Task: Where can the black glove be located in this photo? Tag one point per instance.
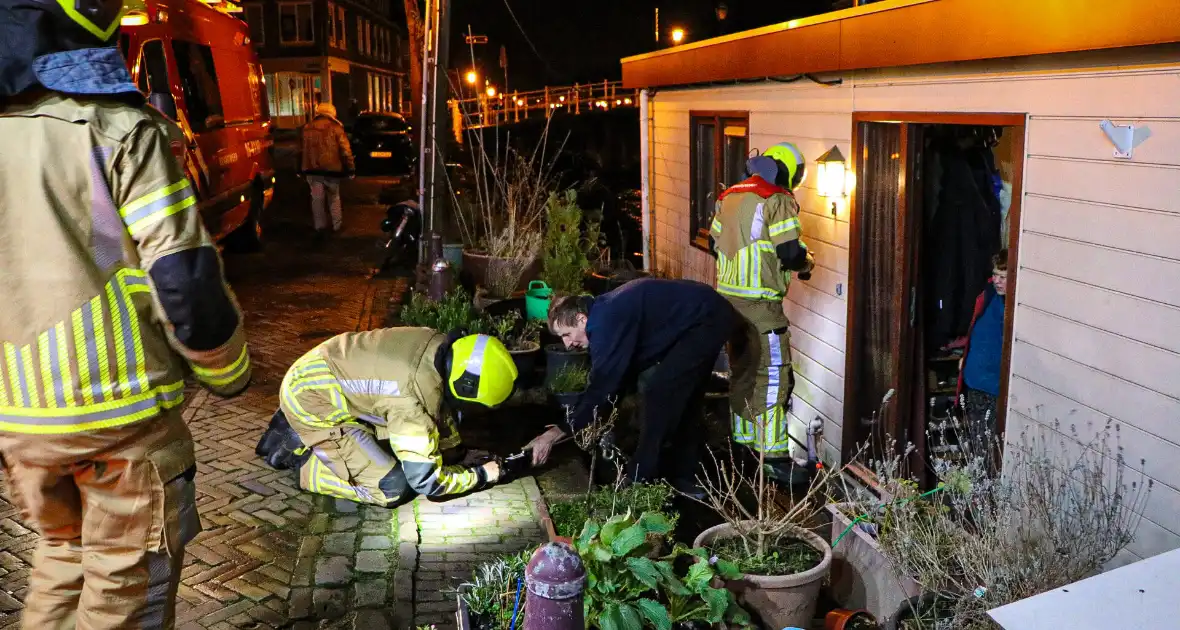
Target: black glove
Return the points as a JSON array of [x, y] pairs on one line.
[[804, 275]]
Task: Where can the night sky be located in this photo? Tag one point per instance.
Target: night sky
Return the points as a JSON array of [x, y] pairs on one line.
[[583, 40]]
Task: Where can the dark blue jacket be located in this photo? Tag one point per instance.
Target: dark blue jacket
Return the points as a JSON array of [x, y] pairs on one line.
[[633, 327]]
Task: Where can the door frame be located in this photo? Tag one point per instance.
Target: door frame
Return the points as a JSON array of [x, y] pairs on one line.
[[903, 269]]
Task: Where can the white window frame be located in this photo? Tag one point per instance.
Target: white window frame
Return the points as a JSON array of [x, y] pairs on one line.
[[310, 7]]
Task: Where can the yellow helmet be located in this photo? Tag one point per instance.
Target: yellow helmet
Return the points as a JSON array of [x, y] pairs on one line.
[[481, 370], [791, 158]]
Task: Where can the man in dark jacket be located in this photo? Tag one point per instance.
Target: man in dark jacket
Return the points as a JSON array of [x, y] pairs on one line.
[[676, 326], [326, 157]]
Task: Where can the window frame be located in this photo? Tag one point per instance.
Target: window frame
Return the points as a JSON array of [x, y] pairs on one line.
[[194, 90], [296, 6], [341, 19], [698, 220], [261, 25], [332, 24]]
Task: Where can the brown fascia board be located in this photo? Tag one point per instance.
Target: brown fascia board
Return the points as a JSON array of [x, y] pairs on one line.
[[910, 32]]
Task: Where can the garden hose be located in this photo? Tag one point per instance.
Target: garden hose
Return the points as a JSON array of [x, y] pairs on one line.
[[516, 606], [865, 516]]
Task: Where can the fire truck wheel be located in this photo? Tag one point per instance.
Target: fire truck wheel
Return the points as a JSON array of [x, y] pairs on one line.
[[247, 239]]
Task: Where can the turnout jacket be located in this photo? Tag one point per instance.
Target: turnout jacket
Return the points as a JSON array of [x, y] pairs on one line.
[[387, 378], [113, 289]]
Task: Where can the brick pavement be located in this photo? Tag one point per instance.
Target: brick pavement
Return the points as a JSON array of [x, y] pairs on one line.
[[265, 543]]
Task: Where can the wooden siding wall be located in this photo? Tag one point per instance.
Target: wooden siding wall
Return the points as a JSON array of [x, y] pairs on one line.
[[1098, 297]]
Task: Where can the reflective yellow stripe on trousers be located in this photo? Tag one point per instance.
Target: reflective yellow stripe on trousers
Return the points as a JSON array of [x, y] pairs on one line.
[[50, 389]]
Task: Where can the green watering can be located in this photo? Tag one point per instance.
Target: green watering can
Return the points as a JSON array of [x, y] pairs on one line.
[[536, 300]]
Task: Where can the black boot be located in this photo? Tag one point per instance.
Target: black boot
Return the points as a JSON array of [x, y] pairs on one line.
[[280, 447]]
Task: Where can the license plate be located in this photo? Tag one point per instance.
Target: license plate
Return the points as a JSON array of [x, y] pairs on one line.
[[381, 154]]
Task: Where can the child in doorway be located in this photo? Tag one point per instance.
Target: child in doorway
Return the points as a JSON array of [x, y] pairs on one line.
[[979, 370]]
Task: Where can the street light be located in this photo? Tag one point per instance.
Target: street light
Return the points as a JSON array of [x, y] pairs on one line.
[[677, 35], [472, 77], [491, 91]]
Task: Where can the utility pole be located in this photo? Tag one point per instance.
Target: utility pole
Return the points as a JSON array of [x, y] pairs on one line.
[[504, 65], [431, 159]]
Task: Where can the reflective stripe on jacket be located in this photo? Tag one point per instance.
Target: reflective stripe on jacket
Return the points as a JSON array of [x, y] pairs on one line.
[[387, 378], [752, 218], [99, 236]]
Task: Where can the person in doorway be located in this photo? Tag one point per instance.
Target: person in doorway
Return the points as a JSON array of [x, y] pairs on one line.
[[979, 369], [366, 416], [677, 327], [757, 240], [113, 293], [326, 158]]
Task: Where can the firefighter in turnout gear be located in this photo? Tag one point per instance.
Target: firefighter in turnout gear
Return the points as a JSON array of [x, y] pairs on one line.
[[366, 416], [757, 240], [113, 292]]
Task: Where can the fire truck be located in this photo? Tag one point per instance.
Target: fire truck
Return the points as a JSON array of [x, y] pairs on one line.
[[194, 62]]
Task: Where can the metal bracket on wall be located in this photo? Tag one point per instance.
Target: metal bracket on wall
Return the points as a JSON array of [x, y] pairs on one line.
[[1124, 137]]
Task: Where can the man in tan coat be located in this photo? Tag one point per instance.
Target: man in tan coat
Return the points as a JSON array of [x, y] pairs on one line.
[[326, 158], [113, 291], [366, 416]]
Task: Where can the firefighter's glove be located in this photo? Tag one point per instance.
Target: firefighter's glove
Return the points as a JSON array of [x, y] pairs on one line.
[[491, 471], [806, 273]]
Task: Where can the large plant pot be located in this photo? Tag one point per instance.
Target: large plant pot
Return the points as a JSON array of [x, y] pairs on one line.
[[557, 358], [862, 578], [849, 620], [605, 278], [476, 267], [782, 601], [565, 400], [526, 364]]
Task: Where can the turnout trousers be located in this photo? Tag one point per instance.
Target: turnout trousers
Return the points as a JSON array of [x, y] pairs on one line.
[[761, 377], [115, 508]]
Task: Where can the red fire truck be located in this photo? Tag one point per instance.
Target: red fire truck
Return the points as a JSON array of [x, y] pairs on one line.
[[195, 63]]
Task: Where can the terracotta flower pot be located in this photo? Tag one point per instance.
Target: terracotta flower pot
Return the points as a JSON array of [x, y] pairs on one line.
[[477, 266], [782, 601], [849, 620]]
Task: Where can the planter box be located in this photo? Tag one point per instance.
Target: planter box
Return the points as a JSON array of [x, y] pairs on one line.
[[862, 578], [462, 617], [547, 522]]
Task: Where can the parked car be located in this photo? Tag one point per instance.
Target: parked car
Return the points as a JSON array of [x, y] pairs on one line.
[[382, 144], [194, 63]]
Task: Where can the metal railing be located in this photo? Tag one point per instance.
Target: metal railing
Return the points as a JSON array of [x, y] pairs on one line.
[[491, 109]]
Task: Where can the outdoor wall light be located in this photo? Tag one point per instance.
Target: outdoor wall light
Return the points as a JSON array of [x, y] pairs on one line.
[[831, 176]]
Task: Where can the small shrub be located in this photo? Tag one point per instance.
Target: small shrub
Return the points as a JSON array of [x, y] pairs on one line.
[[565, 252], [455, 310], [570, 379], [515, 334], [604, 503]]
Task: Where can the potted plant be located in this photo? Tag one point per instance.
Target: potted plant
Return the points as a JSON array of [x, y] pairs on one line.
[[559, 359], [783, 563], [502, 223], [521, 337], [453, 312], [609, 275], [567, 250], [626, 588], [567, 385], [1063, 509], [568, 515], [495, 596]]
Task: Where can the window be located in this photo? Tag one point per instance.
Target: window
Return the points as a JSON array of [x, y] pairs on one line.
[[295, 23], [341, 33], [198, 79], [254, 17], [331, 24], [153, 69], [360, 34], [719, 148]]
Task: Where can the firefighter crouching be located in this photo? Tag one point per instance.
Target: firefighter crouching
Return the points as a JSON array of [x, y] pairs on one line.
[[111, 286], [366, 416], [757, 240]]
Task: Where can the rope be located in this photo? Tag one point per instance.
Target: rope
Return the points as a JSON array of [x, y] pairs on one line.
[[862, 517], [516, 606]]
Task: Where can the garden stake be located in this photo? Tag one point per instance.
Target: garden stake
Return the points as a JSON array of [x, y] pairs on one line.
[[516, 606], [864, 516]]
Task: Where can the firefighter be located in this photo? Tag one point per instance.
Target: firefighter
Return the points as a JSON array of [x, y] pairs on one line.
[[757, 240], [366, 416], [113, 290], [674, 328]]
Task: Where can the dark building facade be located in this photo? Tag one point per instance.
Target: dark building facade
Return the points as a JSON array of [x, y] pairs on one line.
[[351, 53]]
